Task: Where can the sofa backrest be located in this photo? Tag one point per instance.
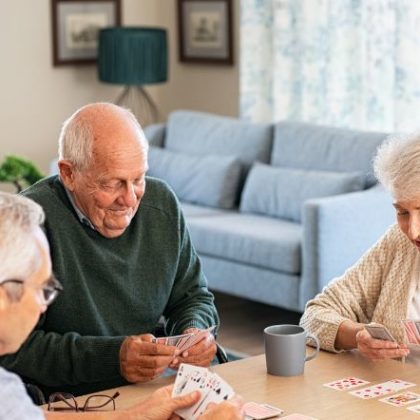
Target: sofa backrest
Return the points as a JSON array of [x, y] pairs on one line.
[[199, 133], [308, 146]]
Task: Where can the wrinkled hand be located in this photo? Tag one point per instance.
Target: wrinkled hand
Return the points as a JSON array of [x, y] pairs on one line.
[[376, 350], [161, 405], [141, 360], [232, 409], [201, 354]]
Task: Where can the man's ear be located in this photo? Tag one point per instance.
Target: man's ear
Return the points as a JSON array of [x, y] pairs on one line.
[[67, 173]]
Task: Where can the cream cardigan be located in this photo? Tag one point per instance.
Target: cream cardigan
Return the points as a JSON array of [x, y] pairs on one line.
[[375, 289]]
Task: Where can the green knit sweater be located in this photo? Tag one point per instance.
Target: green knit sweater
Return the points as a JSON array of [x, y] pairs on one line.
[[112, 288]]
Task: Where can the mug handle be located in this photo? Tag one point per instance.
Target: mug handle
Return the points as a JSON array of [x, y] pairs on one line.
[[315, 353]]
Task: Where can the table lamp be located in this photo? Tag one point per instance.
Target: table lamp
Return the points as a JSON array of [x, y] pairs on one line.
[[134, 57]]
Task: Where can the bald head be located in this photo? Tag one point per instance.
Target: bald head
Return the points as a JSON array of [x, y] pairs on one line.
[[95, 130]]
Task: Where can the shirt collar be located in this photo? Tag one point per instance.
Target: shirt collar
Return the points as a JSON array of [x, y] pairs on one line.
[[82, 217]]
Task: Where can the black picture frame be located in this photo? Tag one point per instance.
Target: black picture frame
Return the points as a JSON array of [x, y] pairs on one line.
[[75, 24], [205, 31]]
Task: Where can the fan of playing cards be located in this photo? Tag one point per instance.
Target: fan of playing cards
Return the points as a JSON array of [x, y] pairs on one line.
[[212, 387], [184, 341], [412, 329]]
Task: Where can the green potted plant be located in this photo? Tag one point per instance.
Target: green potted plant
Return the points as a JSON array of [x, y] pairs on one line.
[[20, 172]]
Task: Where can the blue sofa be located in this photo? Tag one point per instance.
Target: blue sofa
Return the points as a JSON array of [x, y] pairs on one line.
[[275, 211]]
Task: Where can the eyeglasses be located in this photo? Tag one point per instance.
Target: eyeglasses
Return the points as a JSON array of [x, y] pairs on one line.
[[48, 292], [63, 401]]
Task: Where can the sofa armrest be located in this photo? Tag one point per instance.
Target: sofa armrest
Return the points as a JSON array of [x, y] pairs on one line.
[[155, 134], [337, 231]]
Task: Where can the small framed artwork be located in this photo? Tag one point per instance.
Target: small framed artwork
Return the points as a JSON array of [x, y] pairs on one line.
[[205, 31], [75, 27]]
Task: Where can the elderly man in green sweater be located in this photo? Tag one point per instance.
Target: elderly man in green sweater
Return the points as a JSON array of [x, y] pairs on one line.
[[120, 246]]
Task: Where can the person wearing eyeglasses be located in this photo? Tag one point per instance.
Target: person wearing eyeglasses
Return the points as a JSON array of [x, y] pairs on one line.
[[27, 287], [121, 248]]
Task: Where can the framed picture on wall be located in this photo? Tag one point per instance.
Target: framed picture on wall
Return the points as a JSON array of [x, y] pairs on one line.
[[205, 31], [75, 26]]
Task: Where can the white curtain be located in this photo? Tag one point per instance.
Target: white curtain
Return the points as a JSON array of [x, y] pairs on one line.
[[351, 63]]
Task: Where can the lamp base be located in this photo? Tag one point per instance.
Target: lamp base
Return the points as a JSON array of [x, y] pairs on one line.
[[140, 103]]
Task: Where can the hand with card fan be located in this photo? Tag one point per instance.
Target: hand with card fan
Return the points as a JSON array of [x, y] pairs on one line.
[[217, 398], [375, 342], [198, 350]]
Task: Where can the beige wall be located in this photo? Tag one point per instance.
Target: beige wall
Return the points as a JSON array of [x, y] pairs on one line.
[[36, 97]]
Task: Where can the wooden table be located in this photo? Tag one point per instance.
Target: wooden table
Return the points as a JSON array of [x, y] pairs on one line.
[[305, 394]]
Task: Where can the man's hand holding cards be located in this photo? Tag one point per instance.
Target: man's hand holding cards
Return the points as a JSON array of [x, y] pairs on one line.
[[375, 342], [195, 346]]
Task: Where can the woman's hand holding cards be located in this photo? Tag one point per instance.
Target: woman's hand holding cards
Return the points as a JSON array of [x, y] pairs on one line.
[[379, 349]]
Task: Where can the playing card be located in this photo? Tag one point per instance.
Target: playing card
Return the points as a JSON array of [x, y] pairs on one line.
[[297, 416], [211, 386], [415, 408], [182, 376], [412, 331], [379, 332], [346, 383], [173, 340], [195, 338], [257, 411], [381, 389], [213, 390], [399, 400]]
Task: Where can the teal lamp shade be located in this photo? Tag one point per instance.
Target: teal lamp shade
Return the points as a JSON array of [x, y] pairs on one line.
[[132, 55]]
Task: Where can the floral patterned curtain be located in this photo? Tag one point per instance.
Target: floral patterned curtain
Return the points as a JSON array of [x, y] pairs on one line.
[[351, 63]]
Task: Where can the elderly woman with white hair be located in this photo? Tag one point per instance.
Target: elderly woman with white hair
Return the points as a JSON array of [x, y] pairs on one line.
[[384, 285]]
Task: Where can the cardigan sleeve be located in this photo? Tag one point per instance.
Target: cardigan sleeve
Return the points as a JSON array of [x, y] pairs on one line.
[[353, 296]]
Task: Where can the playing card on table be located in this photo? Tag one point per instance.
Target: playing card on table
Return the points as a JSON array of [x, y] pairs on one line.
[[346, 383], [257, 411], [212, 387], [399, 400], [415, 408], [381, 389]]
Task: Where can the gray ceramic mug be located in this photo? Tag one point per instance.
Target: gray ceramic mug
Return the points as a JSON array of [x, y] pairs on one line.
[[285, 349]]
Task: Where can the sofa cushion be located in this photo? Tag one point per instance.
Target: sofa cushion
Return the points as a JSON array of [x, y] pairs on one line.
[[199, 133], [281, 192], [155, 134], [195, 210], [309, 146], [209, 180], [252, 240]]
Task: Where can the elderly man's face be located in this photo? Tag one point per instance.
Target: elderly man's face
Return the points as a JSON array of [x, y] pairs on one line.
[[110, 190], [22, 315]]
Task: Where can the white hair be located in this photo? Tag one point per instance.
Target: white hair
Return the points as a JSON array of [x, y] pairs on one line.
[[397, 165], [19, 253], [75, 142]]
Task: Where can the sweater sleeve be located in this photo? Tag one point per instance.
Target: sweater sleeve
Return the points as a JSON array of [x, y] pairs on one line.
[[190, 303], [53, 359], [352, 296]]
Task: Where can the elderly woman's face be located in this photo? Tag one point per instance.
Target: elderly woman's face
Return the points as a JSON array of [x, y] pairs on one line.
[[408, 216]]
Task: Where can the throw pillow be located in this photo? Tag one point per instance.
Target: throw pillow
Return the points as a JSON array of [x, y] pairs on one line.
[[208, 180], [281, 192]]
